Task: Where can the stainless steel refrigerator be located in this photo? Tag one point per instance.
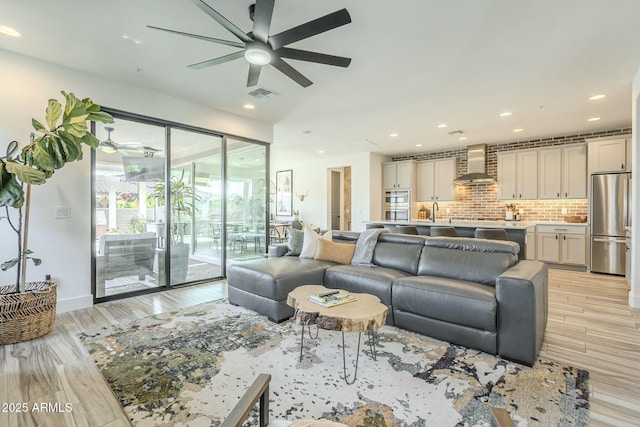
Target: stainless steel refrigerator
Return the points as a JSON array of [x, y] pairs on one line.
[[610, 208]]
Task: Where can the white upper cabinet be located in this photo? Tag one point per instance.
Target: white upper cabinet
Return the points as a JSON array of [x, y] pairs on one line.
[[574, 171], [435, 179], [608, 155], [518, 175], [563, 172], [397, 175]]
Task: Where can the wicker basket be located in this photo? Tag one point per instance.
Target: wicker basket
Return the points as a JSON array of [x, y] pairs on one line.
[[27, 315]]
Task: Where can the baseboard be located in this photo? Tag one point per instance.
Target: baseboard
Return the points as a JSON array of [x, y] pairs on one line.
[[634, 300], [76, 303]]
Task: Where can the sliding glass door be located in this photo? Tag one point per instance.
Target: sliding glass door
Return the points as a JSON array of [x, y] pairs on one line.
[[173, 205], [246, 226]]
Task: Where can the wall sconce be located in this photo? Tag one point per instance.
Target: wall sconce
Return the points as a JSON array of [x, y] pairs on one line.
[[302, 196]]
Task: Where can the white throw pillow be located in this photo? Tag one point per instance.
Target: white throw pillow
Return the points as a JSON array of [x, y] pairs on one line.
[[310, 242]]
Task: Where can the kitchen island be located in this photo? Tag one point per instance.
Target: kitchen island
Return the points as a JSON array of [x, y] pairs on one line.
[[516, 230]]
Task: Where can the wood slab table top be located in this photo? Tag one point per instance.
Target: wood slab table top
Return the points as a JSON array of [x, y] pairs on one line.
[[366, 313]]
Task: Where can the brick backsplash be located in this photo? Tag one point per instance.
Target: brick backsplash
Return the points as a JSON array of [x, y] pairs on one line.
[[481, 200]]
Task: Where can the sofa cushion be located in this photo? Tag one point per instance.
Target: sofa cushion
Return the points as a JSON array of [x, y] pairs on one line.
[[463, 303], [295, 241], [398, 251], [336, 252], [369, 280], [467, 259], [274, 278], [310, 242]]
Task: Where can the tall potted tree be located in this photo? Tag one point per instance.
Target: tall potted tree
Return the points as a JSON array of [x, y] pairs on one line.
[[27, 310], [182, 206]]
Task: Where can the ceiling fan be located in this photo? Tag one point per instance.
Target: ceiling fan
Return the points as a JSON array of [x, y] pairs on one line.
[[110, 147], [260, 48]]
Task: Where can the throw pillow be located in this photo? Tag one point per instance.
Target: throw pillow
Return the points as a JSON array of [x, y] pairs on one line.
[[336, 252], [310, 242], [295, 242]]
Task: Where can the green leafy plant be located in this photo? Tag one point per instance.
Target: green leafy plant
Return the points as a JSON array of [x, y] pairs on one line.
[[138, 224], [182, 199], [56, 144]]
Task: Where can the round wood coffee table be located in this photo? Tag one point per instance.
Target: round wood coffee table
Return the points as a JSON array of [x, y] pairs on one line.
[[365, 314]]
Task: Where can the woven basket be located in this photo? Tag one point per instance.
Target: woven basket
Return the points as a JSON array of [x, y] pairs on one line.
[[27, 315]]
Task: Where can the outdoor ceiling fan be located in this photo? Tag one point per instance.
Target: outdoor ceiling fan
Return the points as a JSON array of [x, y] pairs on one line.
[[259, 48], [110, 147]]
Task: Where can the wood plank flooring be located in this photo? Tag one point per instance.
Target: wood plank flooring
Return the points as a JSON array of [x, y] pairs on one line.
[[590, 326]]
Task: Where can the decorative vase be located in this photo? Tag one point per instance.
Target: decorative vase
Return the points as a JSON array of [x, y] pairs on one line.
[[508, 216], [296, 217], [27, 315]]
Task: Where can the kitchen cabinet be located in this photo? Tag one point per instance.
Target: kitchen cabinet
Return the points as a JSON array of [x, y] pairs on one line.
[[518, 175], [398, 175], [435, 179], [530, 245], [562, 172], [562, 244], [609, 155]]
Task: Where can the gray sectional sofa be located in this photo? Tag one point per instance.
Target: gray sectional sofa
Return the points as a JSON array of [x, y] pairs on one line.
[[466, 291]]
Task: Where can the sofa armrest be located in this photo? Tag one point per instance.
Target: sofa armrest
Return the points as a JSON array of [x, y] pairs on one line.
[[521, 292], [278, 250]]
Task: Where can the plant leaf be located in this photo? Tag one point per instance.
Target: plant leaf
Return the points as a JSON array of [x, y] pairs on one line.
[[37, 125], [76, 129], [54, 111], [26, 174], [42, 159], [11, 193], [100, 116], [91, 140], [9, 264], [36, 261]]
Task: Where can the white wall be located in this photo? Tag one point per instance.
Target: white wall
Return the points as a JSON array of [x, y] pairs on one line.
[[634, 294], [311, 174], [64, 245]]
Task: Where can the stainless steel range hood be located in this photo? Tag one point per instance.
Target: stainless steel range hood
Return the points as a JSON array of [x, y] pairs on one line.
[[476, 158]]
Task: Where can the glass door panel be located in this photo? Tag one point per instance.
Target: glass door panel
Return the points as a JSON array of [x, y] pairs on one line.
[[196, 206], [128, 229], [247, 225]]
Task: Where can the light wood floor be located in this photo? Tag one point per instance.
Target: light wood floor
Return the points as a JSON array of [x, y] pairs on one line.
[[590, 326]]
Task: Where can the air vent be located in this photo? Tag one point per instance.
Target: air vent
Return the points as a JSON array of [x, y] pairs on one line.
[[454, 132], [262, 92]]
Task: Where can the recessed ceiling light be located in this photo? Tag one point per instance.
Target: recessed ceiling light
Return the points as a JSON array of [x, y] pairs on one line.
[[518, 130], [320, 152], [393, 135], [125, 36], [593, 119], [597, 97], [249, 106], [442, 125], [418, 145], [462, 138], [8, 31], [505, 114]]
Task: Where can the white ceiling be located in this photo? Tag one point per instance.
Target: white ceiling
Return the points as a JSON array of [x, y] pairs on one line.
[[416, 64]]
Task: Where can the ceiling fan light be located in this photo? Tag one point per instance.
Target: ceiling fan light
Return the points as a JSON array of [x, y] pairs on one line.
[[257, 54], [108, 149]]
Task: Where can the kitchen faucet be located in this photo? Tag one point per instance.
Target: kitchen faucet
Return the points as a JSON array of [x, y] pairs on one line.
[[433, 211]]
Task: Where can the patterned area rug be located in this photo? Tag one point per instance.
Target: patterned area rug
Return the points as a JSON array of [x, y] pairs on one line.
[[190, 367]]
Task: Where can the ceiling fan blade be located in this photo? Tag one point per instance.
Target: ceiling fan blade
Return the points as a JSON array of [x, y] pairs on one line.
[[290, 72], [219, 60], [320, 58], [196, 36], [311, 28], [254, 74], [262, 19], [222, 21]]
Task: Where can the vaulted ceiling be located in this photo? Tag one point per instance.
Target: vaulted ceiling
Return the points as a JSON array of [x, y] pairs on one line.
[[416, 64]]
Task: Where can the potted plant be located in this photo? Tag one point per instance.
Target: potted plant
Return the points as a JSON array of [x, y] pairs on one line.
[[28, 309], [182, 199]]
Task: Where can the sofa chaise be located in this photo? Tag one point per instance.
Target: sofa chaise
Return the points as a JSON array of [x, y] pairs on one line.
[[466, 291]]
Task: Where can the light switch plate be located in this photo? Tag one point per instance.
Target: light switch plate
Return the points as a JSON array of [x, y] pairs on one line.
[[61, 212]]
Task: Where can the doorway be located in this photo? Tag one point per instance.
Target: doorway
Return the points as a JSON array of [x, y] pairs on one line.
[[339, 198]]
